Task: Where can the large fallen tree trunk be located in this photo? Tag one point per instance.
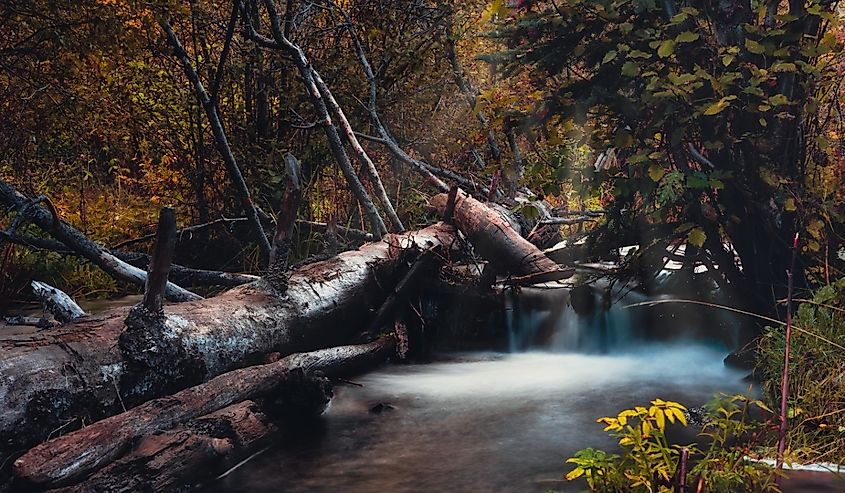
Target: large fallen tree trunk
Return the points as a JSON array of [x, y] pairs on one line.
[[82, 452], [495, 239], [57, 380], [173, 460]]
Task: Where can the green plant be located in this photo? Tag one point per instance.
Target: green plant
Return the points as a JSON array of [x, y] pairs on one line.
[[733, 438], [816, 406], [648, 462]]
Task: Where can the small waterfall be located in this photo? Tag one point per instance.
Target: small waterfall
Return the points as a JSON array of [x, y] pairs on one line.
[[554, 325]]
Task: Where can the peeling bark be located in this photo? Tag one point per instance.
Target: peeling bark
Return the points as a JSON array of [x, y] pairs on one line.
[[53, 381], [498, 242], [84, 451]]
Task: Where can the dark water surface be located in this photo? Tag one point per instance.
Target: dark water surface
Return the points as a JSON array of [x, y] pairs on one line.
[[481, 422]]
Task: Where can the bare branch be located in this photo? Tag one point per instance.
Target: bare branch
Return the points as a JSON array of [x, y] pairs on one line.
[[220, 139]]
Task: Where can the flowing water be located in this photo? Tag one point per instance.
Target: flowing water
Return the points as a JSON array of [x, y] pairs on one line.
[[489, 422]]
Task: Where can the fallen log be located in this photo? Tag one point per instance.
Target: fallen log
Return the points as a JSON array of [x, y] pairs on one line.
[[80, 372], [498, 242], [174, 459], [82, 452], [57, 302]]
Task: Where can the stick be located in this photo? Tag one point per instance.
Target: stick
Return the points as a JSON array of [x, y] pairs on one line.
[[160, 261], [784, 389], [57, 302]]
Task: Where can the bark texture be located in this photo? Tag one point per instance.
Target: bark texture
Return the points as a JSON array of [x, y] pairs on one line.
[[173, 459], [498, 242], [54, 381], [84, 451]]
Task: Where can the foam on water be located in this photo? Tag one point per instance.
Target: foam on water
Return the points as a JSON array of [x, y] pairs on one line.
[[493, 421], [492, 377]]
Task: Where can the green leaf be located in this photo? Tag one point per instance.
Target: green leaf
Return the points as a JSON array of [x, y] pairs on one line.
[[639, 54], [698, 181], [717, 107], [778, 100], [666, 48], [631, 69], [697, 237], [686, 37], [609, 57], [784, 67], [656, 173], [754, 47]]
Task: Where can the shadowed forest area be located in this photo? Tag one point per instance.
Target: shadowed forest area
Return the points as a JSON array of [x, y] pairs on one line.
[[219, 217]]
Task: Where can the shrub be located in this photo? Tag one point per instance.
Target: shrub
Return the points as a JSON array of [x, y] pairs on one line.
[[648, 462], [816, 376]]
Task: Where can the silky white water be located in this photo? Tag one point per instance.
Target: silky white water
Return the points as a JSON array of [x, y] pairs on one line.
[[489, 422]]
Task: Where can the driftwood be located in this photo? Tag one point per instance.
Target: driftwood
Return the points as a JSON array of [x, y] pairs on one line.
[[82, 452], [81, 372], [497, 241], [57, 302]]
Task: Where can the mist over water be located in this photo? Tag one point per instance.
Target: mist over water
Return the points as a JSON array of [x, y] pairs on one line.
[[488, 421]]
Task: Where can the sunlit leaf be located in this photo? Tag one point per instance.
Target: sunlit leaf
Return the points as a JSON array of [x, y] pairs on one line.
[[697, 237]]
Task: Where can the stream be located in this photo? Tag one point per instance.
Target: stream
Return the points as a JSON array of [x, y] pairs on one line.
[[489, 421]]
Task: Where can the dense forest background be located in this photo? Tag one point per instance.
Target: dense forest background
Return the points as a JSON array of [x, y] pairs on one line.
[[714, 122]]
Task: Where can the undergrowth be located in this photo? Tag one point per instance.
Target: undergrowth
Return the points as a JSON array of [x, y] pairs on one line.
[[816, 401], [648, 462]]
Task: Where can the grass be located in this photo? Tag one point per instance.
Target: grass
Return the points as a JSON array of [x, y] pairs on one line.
[[816, 377]]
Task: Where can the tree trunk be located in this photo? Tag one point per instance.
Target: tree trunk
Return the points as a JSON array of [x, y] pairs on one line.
[[59, 379], [498, 242], [77, 454]]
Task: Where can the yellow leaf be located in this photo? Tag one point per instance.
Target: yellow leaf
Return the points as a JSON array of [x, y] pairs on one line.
[[717, 107], [790, 204], [575, 473], [697, 237], [656, 173], [646, 428], [661, 420]]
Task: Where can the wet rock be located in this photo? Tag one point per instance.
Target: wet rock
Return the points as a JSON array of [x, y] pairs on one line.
[[381, 407]]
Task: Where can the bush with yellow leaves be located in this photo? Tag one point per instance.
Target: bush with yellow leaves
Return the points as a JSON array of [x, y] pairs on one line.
[[648, 462]]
